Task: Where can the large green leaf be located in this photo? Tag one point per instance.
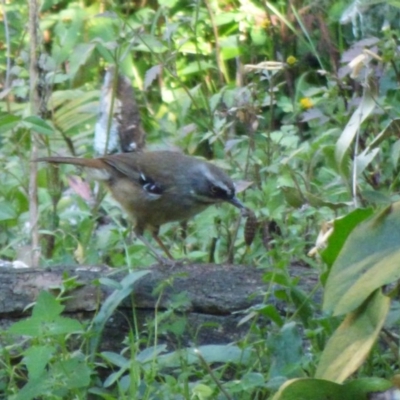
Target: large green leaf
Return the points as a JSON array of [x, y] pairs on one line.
[[80, 56], [46, 320], [36, 359], [342, 227], [352, 341], [389, 131], [285, 347], [7, 211], [47, 307], [369, 259], [8, 122], [38, 125], [212, 353], [73, 108], [319, 389], [110, 305]]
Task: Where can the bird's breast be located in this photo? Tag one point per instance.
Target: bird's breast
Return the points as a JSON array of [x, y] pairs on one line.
[[154, 209]]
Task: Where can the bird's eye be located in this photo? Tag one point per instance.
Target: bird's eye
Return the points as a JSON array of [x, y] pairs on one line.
[[217, 191]]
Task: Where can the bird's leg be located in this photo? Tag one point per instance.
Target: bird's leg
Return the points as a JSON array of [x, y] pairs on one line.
[[184, 227], [170, 261], [153, 250], [162, 245], [139, 234]]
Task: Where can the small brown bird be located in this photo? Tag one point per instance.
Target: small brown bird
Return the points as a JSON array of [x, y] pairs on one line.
[[158, 187]]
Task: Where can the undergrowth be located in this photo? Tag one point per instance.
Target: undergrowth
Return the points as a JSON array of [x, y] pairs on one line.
[[297, 101]]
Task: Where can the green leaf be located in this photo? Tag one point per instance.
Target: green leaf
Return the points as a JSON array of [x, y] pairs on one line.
[[221, 353], [29, 327], [285, 104], [286, 351], [38, 125], [229, 17], [115, 358], [342, 229], [230, 48], [258, 36], [115, 376], [46, 307], [195, 67], [202, 392], [68, 34], [74, 108], [36, 358], [167, 3], [150, 353], [80, 56], [318, 202], [293, 196], [38, 327], [109, 306], [74, 372], [7, 211], [252, 380], [8, 122], [363, 159], [310, 389], [319, 389], [211, 353], [352, 341], [62, 326], [376, 197], [46, 320], [111, 283], [364, 388], [369, 259], [389, 131], [271, 312], [149, 43], [33, 389]]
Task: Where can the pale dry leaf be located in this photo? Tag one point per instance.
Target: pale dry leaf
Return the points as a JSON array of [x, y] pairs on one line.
[[151, 75], [80, 187], [241, 186]]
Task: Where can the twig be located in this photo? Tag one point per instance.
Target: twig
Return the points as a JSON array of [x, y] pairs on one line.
[[221, 67], [8, 53], [34, 102], [210, 371]]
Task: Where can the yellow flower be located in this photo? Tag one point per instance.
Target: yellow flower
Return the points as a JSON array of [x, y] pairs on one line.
[[266, 23], [306, 103], [291, 60]]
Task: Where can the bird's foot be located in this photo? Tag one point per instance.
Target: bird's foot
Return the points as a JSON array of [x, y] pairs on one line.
[[171, 263]]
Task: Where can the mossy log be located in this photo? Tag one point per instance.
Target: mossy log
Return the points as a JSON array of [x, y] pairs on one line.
[[213, 298]]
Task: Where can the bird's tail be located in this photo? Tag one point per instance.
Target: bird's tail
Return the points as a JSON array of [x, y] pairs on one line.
[[95, 163]]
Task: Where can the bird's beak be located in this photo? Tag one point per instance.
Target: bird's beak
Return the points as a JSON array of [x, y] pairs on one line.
[[237, 203]]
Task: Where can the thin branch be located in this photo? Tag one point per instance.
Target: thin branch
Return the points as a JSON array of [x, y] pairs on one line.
[[34, 102], [220, 63], [212, 375], [8, 44]]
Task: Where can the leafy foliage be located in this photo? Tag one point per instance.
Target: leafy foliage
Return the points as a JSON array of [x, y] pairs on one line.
[[299, 100]]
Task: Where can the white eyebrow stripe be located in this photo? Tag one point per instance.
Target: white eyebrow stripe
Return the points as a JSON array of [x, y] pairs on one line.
[[205, 171]]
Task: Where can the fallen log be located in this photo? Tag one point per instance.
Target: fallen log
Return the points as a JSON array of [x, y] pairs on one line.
[[212, 298]]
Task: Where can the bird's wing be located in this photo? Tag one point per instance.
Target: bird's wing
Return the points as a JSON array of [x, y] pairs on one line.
[[126, 164], [130, 166]]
